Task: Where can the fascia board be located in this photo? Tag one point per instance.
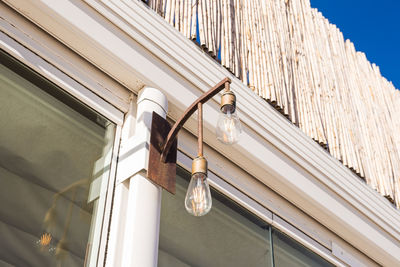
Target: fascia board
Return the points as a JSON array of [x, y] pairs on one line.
[[272, 150]]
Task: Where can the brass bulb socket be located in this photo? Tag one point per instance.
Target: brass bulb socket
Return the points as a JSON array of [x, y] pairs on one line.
[[228, 98], [199, 165]]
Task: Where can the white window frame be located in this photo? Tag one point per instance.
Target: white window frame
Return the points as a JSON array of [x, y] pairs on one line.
[[26, 56], [243, 188], [220, 181]]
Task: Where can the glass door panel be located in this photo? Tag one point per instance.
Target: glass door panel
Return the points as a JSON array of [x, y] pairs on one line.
[[288, 252], [227, 236], [55, 156]]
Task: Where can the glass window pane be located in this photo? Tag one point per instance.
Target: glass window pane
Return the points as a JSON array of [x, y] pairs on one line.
[[288, 252], [226, 236], [55, 155]]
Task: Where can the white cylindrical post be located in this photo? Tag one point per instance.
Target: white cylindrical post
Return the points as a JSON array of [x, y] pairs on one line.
[[144, 201]]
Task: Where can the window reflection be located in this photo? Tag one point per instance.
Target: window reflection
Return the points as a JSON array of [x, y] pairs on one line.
[[226, 236], [54, 161], [288, 252]]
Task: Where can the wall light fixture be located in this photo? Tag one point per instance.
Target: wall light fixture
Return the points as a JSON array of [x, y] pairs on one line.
[[163, 148]]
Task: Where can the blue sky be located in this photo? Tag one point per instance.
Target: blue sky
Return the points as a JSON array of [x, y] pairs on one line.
[[373, 27]]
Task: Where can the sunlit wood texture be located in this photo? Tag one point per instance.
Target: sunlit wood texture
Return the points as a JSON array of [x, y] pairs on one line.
[[290, 55]]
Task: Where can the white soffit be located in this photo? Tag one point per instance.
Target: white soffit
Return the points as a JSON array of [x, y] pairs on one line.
[[271, 149]]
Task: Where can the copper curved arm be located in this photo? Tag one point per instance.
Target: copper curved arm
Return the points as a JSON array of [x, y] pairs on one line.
[[224, 84]]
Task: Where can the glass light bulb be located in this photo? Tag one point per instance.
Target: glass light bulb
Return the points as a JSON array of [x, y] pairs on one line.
[[228, 126], [198, 196]]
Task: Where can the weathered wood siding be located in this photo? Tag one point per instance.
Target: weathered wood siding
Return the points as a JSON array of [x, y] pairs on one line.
[[290, 55]]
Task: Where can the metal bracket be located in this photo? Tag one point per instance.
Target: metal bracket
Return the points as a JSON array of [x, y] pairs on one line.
[[163, 140], [161, 173]]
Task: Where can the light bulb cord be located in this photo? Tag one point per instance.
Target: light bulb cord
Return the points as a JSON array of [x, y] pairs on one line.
[[200, 129]]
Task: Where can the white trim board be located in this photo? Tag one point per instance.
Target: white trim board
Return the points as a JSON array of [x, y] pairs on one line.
[[61, 57], [128, 38], [47, 70], [265, 203]]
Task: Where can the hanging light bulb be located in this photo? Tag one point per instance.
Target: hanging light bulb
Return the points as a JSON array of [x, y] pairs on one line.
[[228, 127], [198, 196]]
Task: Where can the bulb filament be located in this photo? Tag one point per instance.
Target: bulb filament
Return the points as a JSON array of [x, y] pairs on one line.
[[198, 201]]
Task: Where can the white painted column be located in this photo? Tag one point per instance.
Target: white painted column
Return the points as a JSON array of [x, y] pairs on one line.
[[144, 202], [134, 236]]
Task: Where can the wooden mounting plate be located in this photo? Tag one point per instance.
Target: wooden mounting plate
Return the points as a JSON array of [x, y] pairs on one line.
[[161, 173]]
